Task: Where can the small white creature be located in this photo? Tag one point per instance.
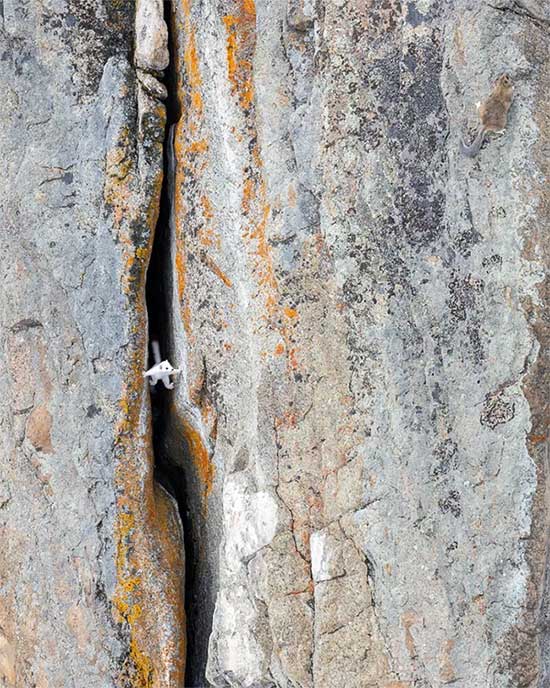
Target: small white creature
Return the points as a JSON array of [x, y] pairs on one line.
[[161, 370]]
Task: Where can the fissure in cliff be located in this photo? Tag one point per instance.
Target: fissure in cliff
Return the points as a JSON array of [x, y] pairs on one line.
[[172, 448]]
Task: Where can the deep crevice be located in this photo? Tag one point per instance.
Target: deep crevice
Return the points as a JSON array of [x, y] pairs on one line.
[[169, 470]]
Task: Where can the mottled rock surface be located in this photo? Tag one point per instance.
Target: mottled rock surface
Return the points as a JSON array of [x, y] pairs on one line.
[[357, 447], [91, 561], [361, 315]]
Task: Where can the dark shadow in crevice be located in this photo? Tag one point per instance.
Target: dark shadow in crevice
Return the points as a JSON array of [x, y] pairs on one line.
[[169, 449]]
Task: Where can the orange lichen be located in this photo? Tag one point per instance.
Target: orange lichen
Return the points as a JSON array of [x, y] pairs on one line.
[[143, 533], [198, 451], [217, 271], [256, 210], [200, 146], [231, 49], [194, 214], [192, 63], [290, 313], [117, 192], [249, 8], [207, 209], [536, 439], [240, 35], [180, 273]]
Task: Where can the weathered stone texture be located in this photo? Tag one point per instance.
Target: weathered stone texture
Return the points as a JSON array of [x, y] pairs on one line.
[[358, 440], [357, 307], [91, 569]]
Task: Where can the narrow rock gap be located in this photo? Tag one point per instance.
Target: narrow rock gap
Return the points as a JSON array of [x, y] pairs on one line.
[[169, 470]]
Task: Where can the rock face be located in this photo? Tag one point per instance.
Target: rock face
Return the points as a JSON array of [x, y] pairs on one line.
[[91, 563], [352, 468]]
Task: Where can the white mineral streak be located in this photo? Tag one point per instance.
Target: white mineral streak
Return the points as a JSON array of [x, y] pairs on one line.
[[250, 520]]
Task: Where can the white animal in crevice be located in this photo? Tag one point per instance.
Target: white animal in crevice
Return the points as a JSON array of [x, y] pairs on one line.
[[161, 370]]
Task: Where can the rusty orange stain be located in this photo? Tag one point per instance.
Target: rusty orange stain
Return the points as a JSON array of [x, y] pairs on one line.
[[287, 420], [292, 359], [255, 206], [209, 262], [290, 312], [309, 589], [447, 672], [292, 196], [536, 439], [200, 456]]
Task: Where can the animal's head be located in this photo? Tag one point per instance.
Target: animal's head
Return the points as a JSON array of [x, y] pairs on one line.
[[505, 81], [166, 367], [161, 369]]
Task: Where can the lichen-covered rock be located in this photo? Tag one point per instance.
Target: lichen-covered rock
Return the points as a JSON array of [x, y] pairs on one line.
[[358, 440], [360, 313], [91, 563]]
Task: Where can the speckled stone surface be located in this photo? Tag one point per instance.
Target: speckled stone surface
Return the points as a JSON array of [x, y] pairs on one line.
[[361, 312], [91, 561], [361, 318]]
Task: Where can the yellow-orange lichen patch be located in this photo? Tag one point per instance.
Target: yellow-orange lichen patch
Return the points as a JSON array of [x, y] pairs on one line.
[[152, 212], [207, 210], [180, 268], [198, 451], [217, 271], [200, 455], [200, 146], [117, 192], [191, 60], [255, 207], [194, 215], [142, 533], [290, 313], [240, 29]]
